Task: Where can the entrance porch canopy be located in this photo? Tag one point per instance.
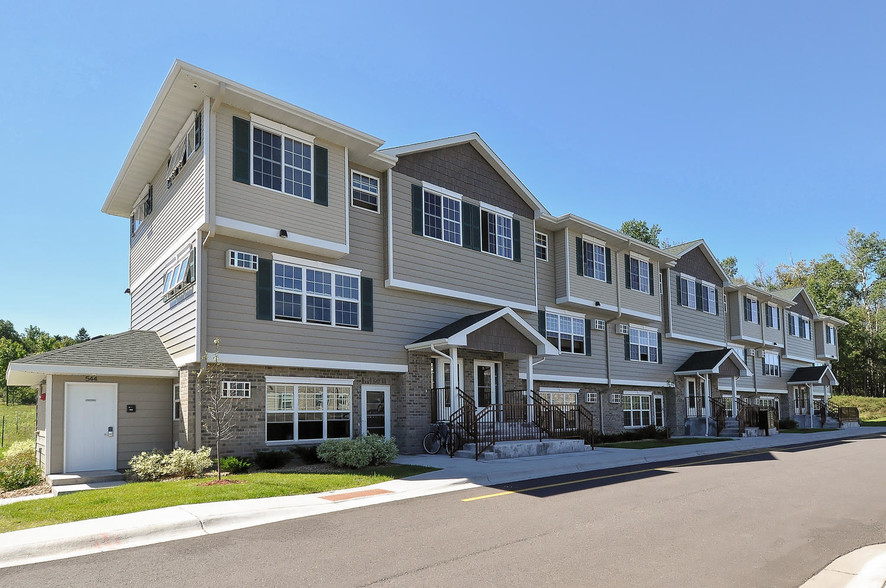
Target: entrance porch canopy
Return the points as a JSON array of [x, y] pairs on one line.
[[723, 362], [821, 375]]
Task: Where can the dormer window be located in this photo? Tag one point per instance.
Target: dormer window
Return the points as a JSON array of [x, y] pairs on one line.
[[188, 140]]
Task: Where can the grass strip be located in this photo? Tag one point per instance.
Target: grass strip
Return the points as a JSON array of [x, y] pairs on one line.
[[656, 443]]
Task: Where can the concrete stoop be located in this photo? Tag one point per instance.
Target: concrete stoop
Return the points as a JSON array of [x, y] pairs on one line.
[[514, 449], [78, 482]]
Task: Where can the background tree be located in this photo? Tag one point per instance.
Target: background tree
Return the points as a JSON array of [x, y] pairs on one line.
[[217, 410], [730, 266], [638, 229], [82, 335]]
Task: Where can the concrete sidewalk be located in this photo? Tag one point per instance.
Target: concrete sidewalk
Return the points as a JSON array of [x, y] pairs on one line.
[[181, 522]]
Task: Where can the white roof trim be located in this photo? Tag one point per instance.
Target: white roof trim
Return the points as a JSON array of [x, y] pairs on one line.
[[29, 374]]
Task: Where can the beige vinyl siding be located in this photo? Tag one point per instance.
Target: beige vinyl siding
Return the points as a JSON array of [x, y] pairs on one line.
[[276, 210], [635, 300], [562, 263], [175, 321], [736, 313], [439, 264], [573, 365], [149, 427], [696, 323], [176, 209], [802, 348], [770, 335], [589, 288], [547, 272], [623, 369], [822, 347]]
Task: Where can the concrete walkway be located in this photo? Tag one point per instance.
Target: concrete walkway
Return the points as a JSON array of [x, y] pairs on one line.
[[181, 522]]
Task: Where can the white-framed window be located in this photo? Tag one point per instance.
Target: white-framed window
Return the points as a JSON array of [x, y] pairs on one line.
[[805, 332], [591, 397], [830, 334], [442, 217], [709, 298], [637, 410], [541, 246], [176, 403], [560, 397], [364, 191], [299, 412], [644, 344], [798, 326], [498, 237], [181, 275], [317, 296], [751, 310], [772, 314], [144, 206], [242, 260], [766, 402], [771, 364], [231, 389], [639, 272], [615, 398], [282, 160], [595, 260], [800, 398], [566, 332], [687, 292], [186, 143]]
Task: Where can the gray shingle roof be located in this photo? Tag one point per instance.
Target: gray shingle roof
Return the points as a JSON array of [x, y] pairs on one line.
[[703, 360], [458, 326], [678, 250], [131, 350], [808, 374], [787, 293]]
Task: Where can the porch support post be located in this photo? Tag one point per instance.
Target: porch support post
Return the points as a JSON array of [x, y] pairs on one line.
[[827, 393], [809, 407], [707, 402], [530, 385], [734, 399], [453, 378]]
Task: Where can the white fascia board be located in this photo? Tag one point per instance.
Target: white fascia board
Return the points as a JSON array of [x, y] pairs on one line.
[[268, 360], [16, 372], [567, 379], [691, 339], [589, 303], [398, 284], [272, 236], [652, 384], [425, 344], [183, 360], [641, 315], [808, 360], [315, 264], [319, 381]]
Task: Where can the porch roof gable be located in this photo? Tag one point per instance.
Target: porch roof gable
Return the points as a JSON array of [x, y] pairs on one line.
[[815, 374], [710, 362]]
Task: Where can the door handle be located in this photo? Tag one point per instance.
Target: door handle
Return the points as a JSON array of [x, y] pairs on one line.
[[110, 432]]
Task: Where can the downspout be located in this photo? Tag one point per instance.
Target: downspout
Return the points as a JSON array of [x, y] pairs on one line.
[[209, 169]]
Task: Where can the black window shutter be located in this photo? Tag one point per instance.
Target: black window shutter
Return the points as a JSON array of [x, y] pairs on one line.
[[659, 349], [699, 304], [470, 218], [418, 224], [542, 325], [515, 231], [768, 317], [149, 201], [264, 290], [716, 301], [747, 309], [679, 291], [321, 175], [241, 150], [587, 336], [484, 230], [652, 278], [628, 347], [608, 266], [627, 271], [579, 256], [366, 313]]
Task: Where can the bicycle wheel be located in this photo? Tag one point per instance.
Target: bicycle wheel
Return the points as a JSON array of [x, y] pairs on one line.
[[453, 443], [432, 443]]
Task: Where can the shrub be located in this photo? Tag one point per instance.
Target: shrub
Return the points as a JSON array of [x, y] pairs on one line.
[[787, 424], [18, 468], [181, 463], [235, 465], [358, 453], [307, 453], [271, 460], [648, 432]]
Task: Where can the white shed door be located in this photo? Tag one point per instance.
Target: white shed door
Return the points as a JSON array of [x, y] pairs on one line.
[[90, 427]]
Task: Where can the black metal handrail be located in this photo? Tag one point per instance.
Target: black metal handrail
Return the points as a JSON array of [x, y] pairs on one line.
[[718, 413], [820, 407], [695, 406], [843, 414], [748, 415]]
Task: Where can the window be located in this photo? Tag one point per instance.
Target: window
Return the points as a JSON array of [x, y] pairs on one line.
[[591, 397], [144, 207], [687, 292], [798, 326], [639, 275], [830, 335], [305, 294], [751, 310], [766, 402], [770, 364], [179, 277], [709, 298], [235, 390], [560, 398], [442, 217], [364, 191], [772, 313], [595, 261], [566, 333], [296, 412], [800, 399], [176, 403], [804, 329], [241, 260], [282, 163], [498, 236], [186, 143], [615, 398], [636, 410], [541, 246], [644, 345]]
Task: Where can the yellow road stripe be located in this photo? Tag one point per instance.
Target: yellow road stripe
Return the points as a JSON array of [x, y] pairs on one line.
[[661, 468]]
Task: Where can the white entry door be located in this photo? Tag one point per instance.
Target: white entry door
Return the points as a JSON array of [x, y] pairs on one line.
[[376, 410], [90, 427]]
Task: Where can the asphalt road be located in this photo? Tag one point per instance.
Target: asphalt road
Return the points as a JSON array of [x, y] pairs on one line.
[[771, 518]]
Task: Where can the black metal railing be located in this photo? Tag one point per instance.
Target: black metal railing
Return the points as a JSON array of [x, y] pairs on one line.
[[462, 420], [696, 406], [820, 408], [748, 415], [718, 413], [843, 414]]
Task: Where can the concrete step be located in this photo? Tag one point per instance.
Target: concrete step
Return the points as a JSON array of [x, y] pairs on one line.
[[75, 478], [71, 488], [515, 449]]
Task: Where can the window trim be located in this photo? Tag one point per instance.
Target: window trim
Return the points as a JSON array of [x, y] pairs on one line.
[[648, 410], [238, 385], [139, 210], [353, 189], [775, 312], [443, 193], [686, 290], [492, 211], [294, 411], [710, 300], [306, 265], [591, 244], [639, 345], [545, 246], [176, 402], [641, 261], [181, 276], [576, 319], [771, 369], [234, 256], [755, 307], [283, 131]]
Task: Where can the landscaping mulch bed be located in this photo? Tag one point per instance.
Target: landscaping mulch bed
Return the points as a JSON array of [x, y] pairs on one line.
[[41, 488]]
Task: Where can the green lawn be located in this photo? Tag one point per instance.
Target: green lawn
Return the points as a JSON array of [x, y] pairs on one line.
[[656, 443], [18, 424], [804, 430], [149, 495], [869, 409]]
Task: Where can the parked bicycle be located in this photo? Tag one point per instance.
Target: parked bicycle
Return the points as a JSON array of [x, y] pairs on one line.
[[439, 437]]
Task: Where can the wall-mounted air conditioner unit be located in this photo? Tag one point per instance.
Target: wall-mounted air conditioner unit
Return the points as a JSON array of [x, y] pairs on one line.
[[761, 353], [623, 329], [599, 325], [615, 398]]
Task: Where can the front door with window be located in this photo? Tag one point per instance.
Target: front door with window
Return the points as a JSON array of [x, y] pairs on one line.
[[376, 411], [90, 427], [658, 410], [486, 383]]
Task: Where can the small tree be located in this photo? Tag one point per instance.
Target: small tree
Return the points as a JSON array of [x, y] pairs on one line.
[[640, 230], [218, 410]]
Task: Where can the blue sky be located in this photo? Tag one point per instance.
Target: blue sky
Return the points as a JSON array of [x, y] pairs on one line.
[[758, 126]]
